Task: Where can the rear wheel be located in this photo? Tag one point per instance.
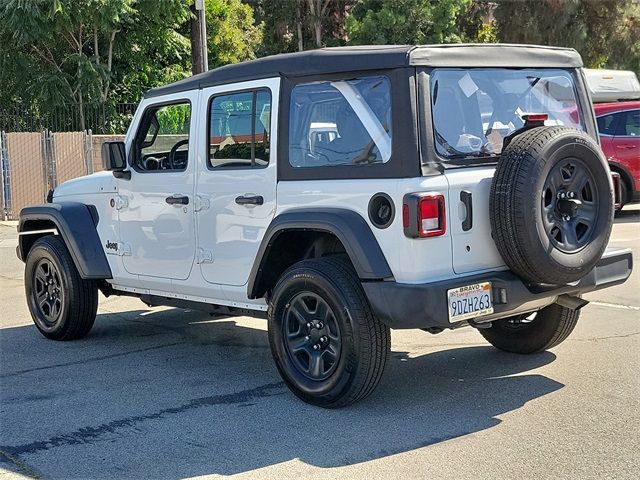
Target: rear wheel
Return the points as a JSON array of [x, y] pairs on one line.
[[531, 333], [328, 347], [62, 304]]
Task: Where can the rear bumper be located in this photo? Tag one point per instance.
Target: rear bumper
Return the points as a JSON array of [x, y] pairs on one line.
[[402, 305]]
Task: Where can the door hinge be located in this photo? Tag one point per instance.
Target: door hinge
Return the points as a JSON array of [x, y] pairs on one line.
[[121, 202], [201, 203], [204, 256]]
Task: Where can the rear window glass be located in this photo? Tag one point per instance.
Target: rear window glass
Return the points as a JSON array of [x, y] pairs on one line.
[[344, 122], [473, 110]]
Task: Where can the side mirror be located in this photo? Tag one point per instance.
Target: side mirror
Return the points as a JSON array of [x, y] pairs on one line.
[[114, 156]]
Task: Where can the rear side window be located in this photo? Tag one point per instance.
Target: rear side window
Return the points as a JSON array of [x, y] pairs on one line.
[[345, 122], [632, 124], [239, 130], [607, 123]]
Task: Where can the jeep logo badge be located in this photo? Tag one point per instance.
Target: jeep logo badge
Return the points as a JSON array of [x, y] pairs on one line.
[[111, 246]]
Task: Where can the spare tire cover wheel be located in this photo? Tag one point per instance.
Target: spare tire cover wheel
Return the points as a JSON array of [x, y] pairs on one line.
[[551, 205]]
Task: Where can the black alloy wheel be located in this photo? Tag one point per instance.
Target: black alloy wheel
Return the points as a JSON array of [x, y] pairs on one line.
[[49, 294], [312, 336], [569, 205]]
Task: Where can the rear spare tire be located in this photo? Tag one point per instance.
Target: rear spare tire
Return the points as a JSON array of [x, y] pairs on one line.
[[551, 205]]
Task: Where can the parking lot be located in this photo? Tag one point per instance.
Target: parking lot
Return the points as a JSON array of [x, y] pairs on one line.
[[173, 393]]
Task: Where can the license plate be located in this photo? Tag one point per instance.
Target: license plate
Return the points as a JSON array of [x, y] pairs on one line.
[[470, 301]]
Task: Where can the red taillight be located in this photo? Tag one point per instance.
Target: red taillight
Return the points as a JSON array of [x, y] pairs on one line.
[[431, 216], [423, 215]]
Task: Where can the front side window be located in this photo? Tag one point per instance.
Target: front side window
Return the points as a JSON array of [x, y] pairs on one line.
[[162, 140], [344, 122], [474, 110], [239, 130]]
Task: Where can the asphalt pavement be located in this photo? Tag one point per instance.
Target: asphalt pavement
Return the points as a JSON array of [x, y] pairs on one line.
[[171, 393]]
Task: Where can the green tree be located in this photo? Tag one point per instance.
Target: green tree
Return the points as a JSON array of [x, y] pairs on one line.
[[405, 21], [296, 25], [80, 51], [232, 34], [605, 32]]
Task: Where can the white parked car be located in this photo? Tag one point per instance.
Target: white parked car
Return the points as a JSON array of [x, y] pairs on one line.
[[339, 193]]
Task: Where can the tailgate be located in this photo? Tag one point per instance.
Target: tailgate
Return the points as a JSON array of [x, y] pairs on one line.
[[471, 242]]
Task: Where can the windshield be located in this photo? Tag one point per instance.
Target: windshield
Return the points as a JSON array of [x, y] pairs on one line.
[[474, 110]]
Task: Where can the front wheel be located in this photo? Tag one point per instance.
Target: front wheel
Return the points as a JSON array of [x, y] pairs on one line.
[[328, 347], [531, 333], [62, 304]]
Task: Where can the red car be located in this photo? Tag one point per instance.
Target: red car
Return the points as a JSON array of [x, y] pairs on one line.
[[619, 129]]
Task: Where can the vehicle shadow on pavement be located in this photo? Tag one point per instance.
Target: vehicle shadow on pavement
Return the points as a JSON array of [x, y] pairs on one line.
[[627, 216], [172, 394]]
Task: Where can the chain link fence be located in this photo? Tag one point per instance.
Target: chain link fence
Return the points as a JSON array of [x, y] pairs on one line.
[[35, 162], [100, 118], [40, 149]]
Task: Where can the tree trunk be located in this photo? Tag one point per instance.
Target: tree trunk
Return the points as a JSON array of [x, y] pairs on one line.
[[95, 46], [317, 27], [197, 59], [299, 26], [107, 86], [81, 110]]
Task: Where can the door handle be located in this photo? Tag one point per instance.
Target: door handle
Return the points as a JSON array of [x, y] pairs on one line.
[[250, 200], [177, 200], [465, 198], [627, 146]]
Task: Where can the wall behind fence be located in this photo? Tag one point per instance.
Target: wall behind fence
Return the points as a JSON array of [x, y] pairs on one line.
[[34, 162]]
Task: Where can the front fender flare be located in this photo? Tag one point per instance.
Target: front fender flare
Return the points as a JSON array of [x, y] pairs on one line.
[[76, 224], [348, 226]]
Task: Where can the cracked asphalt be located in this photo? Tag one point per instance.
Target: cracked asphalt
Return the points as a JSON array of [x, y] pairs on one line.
[[170, 393]]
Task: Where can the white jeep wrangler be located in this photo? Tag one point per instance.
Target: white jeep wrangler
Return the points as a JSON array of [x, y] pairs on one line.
[[342, 192]]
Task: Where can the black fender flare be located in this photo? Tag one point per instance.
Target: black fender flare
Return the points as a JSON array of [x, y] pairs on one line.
[[348, 226], [76, 224]]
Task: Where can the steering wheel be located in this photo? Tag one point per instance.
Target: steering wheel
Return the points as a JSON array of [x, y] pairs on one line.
[[174, 149]]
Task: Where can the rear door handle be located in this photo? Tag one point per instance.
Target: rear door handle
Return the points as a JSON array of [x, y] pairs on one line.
[[250, 200], [177, 200], [627, 146], [465, 198]]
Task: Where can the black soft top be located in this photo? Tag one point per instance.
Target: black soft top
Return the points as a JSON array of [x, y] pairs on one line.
[[379, 57]]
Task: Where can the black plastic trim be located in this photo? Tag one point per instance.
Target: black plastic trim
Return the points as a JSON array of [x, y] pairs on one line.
[[370, 210], [76, 223], [467, 199], [401, 305], [348, 226]]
